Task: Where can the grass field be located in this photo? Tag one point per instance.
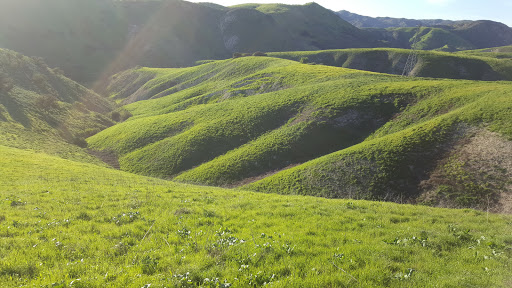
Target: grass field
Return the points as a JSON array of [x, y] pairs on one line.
[[70, 224]]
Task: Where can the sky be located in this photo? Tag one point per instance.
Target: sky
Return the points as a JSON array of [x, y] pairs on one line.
[[496, 10]]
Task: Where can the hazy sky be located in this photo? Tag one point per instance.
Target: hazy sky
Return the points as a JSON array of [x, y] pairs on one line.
[[497, 10]]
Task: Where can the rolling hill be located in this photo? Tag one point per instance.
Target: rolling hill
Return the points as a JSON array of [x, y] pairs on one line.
[[76, 223], [115, 189], [232, 122], [504, 52], [470, 65], [41, 109]]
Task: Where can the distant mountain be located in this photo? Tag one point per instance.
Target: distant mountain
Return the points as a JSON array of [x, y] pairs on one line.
[[468, 36], [438, 34], [361, 21], [88, 38], [484, 33], [92, 40]]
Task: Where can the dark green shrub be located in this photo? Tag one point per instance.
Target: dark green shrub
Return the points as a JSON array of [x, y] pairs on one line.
[[258, 53], [237, 55], [125, 115], [89, 132], [58, 71], [6, 83], [39, 80], [47, 102], [79, 141], [304, 60], [115, 116], [39, 61]]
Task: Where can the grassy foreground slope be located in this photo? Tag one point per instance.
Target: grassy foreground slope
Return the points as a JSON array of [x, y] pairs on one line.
[[470, 65], [65, 223], [43, 110], [232, 122]]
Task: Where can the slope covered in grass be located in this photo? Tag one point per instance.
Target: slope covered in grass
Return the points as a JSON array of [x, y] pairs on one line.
[[232, 122], [464, 65], [65, 223], [41, 109], [503, 52], [430, 38]]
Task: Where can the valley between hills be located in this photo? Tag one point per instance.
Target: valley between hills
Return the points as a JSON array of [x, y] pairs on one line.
[[262, 145]]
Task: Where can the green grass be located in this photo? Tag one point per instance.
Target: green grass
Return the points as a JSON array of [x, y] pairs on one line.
[[504, 52], [431, 38], [65, 223], [232, 122], [380, 167]]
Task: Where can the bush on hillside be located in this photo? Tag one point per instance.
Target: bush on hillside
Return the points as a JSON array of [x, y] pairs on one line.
[[120, 115], [79, 141], [39, 80], [40, 62], [258, 53], [88, 133], [58, 71], [304, 60], [237, 55], [47, 102], [6, 83], [115, 116]]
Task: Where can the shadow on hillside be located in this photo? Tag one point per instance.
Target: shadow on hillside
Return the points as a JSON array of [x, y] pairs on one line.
[[15, 110]]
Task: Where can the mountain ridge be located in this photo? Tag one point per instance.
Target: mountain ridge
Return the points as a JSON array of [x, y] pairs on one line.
[[362, 21], [177, 33]]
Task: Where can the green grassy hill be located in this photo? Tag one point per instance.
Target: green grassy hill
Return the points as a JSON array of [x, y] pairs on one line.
[[67, 224], [41, 109], [232, 122], [470, 65], [504, 52], [430, 38]]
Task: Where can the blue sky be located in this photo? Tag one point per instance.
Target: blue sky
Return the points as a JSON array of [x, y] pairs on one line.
[[497, 10]]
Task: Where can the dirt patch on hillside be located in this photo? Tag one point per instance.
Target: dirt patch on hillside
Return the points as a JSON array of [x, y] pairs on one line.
[[476, 174]]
